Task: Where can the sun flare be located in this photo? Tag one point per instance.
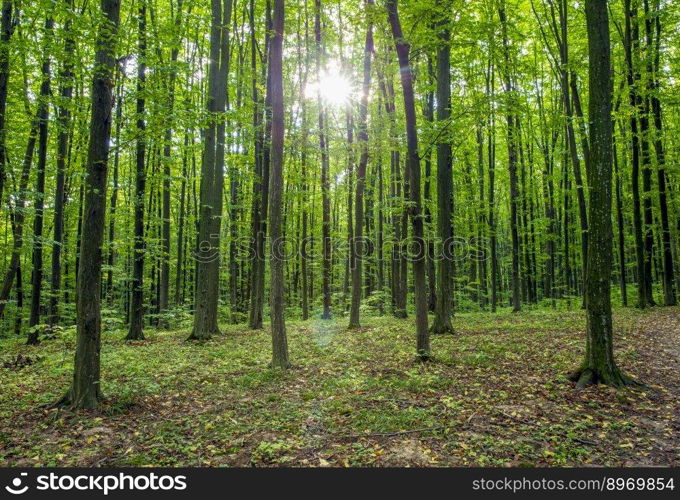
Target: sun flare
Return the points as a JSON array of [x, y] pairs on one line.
[[333, 87]]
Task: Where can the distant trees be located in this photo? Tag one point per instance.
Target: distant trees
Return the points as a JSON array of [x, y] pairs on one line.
[[485, 101]]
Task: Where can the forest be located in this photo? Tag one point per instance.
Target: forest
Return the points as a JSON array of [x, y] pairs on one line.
[[339, 232]]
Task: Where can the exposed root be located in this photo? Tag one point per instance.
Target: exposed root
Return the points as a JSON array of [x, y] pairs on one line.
[[442, 330], [423, 357], [67, 401], [584, 377], [203, 335]]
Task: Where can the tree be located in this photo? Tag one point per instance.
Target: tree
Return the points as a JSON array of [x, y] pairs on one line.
[[512, 126], [212, 178], [43, 120], [63, 122], [358, 236], [443, 306], [599, 365], [85, 391], [135, 331], [276, 291], [325, 181], [413, 164], [7, 27]]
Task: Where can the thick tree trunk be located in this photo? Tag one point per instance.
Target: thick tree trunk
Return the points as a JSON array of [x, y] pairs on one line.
[[599, 365], [86, 389]]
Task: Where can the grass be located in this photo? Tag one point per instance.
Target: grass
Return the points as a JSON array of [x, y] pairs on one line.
[[495, 395]]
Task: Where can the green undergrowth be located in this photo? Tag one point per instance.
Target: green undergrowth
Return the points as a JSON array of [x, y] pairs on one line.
[[495, 394]]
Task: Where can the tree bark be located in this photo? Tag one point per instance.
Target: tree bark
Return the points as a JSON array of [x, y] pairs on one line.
[[43, 115], [358, 248], [277, 287], [599, 365], [86, 390], [413, 163], [443, 307], [136, 324]]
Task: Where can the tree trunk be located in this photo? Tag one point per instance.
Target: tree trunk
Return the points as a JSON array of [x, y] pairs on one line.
[[136, 326], [7, 28], [512, 161], [277, 286], [358, 248], [208, 243], [420, 284], [443, 307], [63, 121], [43, 121], [86, 390], [599, 365], [325, 181]]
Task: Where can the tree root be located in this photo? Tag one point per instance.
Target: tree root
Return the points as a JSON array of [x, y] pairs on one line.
[[67, 402], [442, 330], [586, 376], [203, 336]]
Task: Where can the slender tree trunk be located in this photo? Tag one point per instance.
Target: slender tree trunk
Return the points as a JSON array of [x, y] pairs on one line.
[[359, 246], [136, 326], [212, 178], [43, 120], [6, 28], [631, 39], [111, 258], [63, 122], [512, 161], [167, 151], [668, 290], [18, 217], [415, 209], [619, 224], [277, 287], [325, 180], [443, 307], [181, 270]]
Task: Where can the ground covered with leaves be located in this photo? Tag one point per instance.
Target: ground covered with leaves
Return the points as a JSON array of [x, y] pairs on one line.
[[496, 394]]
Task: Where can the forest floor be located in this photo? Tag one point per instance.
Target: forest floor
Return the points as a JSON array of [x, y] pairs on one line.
[[496, 394]]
